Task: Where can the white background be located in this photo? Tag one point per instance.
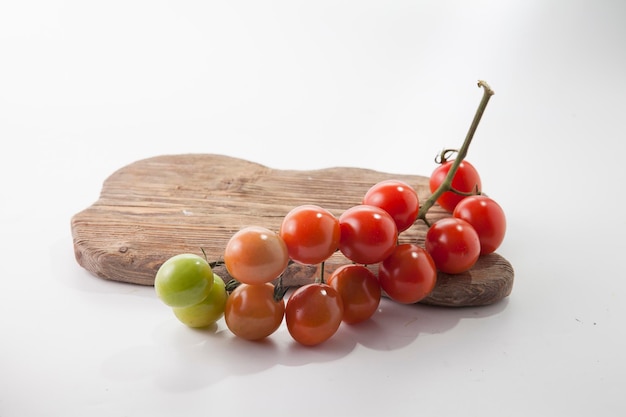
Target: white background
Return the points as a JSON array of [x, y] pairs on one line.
[[88, 87]]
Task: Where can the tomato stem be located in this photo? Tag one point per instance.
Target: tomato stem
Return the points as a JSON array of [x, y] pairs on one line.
[[213, 264], [445, 155], [446, 185], [231, 285], [476, 191], [280, 290]]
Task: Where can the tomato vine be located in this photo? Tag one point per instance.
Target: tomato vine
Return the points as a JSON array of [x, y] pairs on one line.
[[446, 185]]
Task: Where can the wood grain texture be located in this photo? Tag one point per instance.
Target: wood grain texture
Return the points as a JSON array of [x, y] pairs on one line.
[[158, 207]]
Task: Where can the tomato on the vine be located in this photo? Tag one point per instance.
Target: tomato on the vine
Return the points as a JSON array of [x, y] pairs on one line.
[[487, 218], [397, 198], [368, 234], [359, 290], [311, 234], [183, 280], [252, 312], [313, 313], [408, 275], [453, 244], [466, 180], [255, 255]]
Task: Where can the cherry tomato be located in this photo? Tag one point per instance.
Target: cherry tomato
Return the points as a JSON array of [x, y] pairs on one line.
[[311, 234], [183, 280], [207, 311], [398, 199], [408, 275], [487, 218], [313, 313], [453, 244], [255, 255], [466, 180], [359, 290], [252, 313], [368, 234]]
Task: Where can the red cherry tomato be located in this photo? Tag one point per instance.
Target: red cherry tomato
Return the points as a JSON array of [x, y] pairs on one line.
[[397, 198], [408, 275], [453, 244], [359, 290], [368, 234], [255, 255], [313, 313], [487, 218], [252, 313], [311, 234], [466, 180]]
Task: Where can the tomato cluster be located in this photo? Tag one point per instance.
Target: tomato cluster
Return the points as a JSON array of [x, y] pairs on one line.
[[367, 234], [477, 226]]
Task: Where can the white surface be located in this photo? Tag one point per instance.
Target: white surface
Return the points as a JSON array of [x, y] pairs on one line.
[[88, 87]]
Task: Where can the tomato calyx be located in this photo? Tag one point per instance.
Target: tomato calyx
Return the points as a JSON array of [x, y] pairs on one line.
[[446, 185], [213, 264], [232, 285], [280, 290]]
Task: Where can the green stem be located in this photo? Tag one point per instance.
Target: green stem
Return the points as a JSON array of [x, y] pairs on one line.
[[446, 185], [476, 191], [231, 285], [280, 290]]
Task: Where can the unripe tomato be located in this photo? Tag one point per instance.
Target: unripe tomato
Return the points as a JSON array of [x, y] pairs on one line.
[[183, 280], [207, 311]]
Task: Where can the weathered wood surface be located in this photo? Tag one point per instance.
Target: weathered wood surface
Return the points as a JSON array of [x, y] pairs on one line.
[[158, 207]]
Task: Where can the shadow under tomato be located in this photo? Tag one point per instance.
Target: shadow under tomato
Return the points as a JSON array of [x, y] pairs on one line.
[[395, 325], [192, 359], [338, 346]]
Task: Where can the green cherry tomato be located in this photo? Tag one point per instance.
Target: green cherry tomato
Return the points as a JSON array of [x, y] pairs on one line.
[[207, 311], [183, 280]]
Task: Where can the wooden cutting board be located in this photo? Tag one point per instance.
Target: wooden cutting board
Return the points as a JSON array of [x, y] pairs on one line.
[[158, 207]]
